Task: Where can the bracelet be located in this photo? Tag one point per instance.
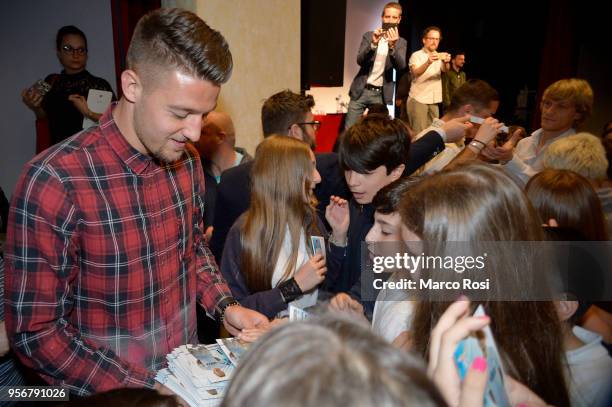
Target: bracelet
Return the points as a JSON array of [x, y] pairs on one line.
[[478, 141], [475, 145], [290, 290], [336, 242], [224, 305]]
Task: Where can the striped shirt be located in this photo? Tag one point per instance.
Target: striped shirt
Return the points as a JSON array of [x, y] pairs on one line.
[[106, 260]]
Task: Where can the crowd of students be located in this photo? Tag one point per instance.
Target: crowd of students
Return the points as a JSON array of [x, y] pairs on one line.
[[107, 253]]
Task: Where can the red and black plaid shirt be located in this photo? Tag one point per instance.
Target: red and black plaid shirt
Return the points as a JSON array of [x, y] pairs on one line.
[[105, 258]]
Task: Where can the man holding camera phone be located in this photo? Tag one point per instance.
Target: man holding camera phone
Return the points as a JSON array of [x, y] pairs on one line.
[[426, 67], [381, 51]]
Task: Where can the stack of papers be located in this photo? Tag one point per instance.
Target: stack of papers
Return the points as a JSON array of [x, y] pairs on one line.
[[201, 373]]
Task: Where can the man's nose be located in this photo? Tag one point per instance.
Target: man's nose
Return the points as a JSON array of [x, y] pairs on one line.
[[193, 128]]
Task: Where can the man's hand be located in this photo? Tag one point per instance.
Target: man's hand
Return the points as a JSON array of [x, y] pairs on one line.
[[253, 334], [506, 151], [376, 36], [488, 130], [444, 56], [237, 318], [433, 57], [455, 129], [502, 154], [338, 217], [343, 302], [392, 35]]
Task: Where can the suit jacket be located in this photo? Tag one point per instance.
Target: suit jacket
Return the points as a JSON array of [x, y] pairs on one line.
[[365, 59]]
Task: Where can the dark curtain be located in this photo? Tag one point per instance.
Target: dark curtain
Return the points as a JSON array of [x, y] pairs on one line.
[[561, 47], [125, 16]]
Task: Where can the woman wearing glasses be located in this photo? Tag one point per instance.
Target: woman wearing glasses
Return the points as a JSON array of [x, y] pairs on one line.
[[61, 100]]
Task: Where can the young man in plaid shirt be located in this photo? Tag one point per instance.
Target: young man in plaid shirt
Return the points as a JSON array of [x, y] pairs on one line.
[[105, 252]]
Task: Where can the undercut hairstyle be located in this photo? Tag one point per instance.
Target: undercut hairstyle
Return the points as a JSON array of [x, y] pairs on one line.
[[388, 198], [283, 109], [475, 92], [569, 199], [373, 141], [576, 91], [432, 28], [68, 30], [392, 4], [178, 39], [329, 361], [582, 153]]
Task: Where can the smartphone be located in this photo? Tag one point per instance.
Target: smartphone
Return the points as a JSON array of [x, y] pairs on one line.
[[41, 87], [386, 26]]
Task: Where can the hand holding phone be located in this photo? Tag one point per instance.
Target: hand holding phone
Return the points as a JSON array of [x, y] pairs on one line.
[[387, 26]]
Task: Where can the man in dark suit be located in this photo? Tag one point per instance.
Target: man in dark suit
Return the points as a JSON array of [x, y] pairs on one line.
[[381, 51], [285, 113]]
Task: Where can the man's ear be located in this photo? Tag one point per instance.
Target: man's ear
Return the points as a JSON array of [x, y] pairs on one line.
[[295, 131], [466, 109], [566, 309], [221, 137], [131, 85], [397, 172]]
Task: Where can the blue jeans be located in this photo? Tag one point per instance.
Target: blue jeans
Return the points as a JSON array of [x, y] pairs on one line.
[[357, 107]]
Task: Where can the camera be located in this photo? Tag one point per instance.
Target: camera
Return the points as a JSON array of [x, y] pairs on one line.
[[387, 26], [41, 87]]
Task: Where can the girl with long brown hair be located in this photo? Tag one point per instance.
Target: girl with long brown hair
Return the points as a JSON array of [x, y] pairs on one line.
[[268, 260], [570, 200], [478, 203]]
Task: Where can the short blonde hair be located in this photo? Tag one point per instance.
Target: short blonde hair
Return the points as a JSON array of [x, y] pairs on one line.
[[393, 4], [577, 91], [582, 153]]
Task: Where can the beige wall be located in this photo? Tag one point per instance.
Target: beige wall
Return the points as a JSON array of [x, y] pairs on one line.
[[264, 37]]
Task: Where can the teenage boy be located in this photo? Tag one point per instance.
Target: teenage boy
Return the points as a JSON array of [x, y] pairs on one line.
[[565, 105], [372, 154]]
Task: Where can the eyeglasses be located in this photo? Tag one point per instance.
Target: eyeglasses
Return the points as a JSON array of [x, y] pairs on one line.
[[316, 125], [432, 39], [69, 50]]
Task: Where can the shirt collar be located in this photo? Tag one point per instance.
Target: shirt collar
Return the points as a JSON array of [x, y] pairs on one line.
[[135, 160], [538, 133]]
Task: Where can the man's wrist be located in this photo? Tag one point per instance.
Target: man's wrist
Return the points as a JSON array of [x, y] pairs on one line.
[[224, 304], [476, 146], [340, 241]]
